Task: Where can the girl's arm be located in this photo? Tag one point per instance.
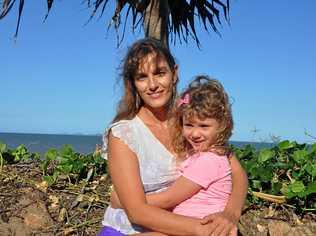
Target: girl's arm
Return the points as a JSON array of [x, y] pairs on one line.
[[124, 171], [178, 192]]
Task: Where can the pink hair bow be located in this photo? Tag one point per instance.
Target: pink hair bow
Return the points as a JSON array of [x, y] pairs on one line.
[[184, 100]]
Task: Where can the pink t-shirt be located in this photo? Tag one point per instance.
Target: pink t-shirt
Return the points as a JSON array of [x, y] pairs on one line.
[[213, 173]]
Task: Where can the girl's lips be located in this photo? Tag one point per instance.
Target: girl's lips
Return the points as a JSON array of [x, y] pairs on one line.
[[196, 144]]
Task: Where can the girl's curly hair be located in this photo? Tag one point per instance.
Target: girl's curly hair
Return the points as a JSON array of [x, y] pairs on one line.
[[207, 99]]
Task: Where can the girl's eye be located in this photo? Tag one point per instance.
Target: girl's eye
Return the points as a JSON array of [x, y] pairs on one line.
[[188, 125]]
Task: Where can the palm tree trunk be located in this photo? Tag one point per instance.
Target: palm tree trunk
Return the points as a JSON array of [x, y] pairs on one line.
[[156, 18]]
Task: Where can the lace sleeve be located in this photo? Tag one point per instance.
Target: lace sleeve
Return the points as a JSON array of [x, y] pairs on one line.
[[122, 130]]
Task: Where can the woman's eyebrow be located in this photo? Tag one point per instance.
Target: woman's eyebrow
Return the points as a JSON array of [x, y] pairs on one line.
[[141, 74], [160, 68]]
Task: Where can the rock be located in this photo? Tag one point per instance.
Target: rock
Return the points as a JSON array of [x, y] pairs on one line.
[[16, 227], [251, 224], [35, 215], [278, 228], [30, 216], [254, 223]]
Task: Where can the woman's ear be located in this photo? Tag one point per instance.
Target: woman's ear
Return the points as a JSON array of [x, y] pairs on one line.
[[175, 74]]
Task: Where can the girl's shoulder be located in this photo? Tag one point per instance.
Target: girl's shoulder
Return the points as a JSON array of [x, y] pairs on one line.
[[209, 154], [209, 158]]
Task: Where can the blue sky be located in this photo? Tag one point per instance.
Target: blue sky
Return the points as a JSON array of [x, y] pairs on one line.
[[60, 76]]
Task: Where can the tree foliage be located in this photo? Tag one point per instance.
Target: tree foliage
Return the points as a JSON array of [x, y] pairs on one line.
[[180, 17]]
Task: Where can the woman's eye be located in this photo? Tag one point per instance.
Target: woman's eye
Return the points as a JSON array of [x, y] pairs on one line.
[[161, 73], [141, 78]]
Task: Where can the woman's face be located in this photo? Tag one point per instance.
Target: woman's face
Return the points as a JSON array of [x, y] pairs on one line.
[[154, 81]]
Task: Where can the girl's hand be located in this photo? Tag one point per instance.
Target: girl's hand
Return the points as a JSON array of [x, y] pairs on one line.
[[221, 223], [115, 201]]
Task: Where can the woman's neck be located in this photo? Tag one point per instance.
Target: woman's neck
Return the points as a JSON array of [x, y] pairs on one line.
[[153, 116]]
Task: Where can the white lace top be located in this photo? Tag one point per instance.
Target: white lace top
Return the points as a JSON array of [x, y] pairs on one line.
[[156, 163]]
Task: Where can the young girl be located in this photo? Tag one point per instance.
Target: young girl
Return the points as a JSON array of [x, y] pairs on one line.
[[201, 126]]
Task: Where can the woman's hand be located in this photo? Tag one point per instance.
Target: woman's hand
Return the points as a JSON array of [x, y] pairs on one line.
[[221, 223], [115, 201]]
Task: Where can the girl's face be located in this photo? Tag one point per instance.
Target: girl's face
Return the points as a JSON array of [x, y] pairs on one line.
[[154, 81], [201, 134]]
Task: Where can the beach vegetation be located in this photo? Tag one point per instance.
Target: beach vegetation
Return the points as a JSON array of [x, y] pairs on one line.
[[284, 173], [72, 165], [17, 154], [74, 188]]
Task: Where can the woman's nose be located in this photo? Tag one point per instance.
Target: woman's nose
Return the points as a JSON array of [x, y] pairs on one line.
[[153, 84]]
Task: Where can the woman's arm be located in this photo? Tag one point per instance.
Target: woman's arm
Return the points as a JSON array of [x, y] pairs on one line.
[[239, 190], [224, 222], [124, 171]]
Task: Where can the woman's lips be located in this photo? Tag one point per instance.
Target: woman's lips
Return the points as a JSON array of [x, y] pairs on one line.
[[155, 95]]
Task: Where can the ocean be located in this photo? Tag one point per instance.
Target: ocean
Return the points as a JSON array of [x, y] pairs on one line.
[[81, 143]]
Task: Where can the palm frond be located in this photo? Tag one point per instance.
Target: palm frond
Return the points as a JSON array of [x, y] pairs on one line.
[[181, 23], [49, 6], [182, 17]]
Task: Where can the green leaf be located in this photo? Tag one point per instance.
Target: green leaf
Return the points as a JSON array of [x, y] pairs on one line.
[[51, 154], [284, 145], [78, 166], [256, 184], [284, 189], [36, 156], [67, 151], [44, 165], [300, 156], [265, 155], [66, 169], [302, 194], [265, 174], [276, 187], [281, 165], [290, 194], [51, 179], [297, 186], [3, 147], [311, 188], [311, 169]]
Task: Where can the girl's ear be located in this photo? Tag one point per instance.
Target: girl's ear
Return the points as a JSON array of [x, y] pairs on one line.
[[175, 74]]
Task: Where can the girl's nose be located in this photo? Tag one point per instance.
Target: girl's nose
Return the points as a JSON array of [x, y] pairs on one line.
[[195, 134]]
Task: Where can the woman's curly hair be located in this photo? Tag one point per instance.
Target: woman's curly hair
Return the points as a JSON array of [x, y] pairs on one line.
[[207, 99], [130, 102]]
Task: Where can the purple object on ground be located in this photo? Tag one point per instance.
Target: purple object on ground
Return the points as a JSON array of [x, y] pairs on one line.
[[108, 231]]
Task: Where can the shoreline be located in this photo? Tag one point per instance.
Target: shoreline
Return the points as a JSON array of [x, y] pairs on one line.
[[41, 143]]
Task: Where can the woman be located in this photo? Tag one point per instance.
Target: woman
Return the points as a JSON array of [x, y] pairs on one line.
[[139, 154]]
